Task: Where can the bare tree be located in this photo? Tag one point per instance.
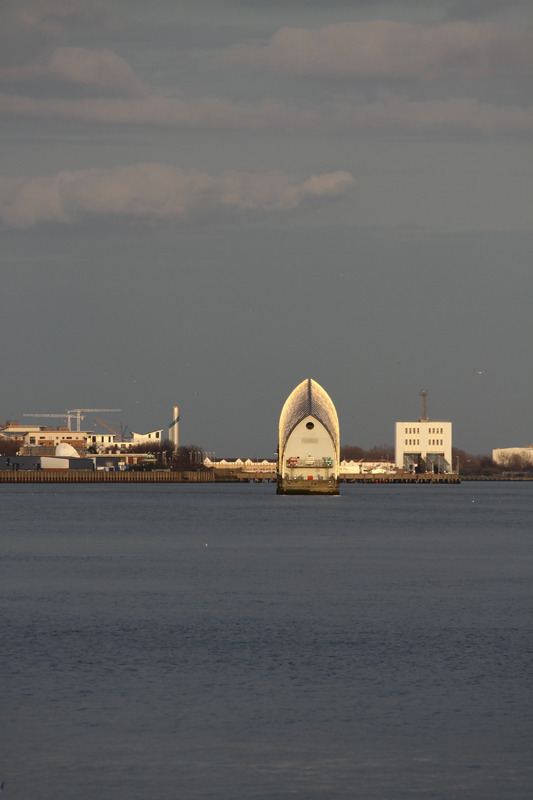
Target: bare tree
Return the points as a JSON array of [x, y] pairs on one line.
[[380, 452], [8, 447], [188, 458]]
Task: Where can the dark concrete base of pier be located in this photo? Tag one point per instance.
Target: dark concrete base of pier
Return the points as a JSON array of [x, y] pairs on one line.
[[295, 486]]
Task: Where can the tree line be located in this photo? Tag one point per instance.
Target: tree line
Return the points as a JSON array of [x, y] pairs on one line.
[[186, 458], [466, 463], [190, 457]]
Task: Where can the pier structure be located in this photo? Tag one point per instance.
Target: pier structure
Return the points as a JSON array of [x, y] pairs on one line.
[[309, 442]]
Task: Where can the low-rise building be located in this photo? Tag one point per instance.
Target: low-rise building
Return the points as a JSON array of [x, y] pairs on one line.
[[424, 445], [238, 465], [153, 437], [363, 467], [505, 455], [51, 437]]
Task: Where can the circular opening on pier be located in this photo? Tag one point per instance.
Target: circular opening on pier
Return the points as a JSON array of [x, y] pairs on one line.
[[310, 426]]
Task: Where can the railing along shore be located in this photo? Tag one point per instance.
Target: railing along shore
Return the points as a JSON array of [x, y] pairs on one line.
[[101, 476]]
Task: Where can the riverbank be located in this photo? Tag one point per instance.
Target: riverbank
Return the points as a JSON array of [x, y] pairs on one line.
[[207, 476]]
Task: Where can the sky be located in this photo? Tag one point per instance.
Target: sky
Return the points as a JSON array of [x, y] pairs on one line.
[[204, 202]]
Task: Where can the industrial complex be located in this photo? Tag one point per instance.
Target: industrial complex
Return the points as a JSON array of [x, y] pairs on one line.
[[308, 458]]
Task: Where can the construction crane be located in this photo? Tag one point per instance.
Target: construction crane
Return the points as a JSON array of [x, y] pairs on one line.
[[74, 411], [80, 415], [123, 429]]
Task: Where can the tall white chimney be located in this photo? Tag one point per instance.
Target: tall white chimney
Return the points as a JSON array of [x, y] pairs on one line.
[[174, 427]]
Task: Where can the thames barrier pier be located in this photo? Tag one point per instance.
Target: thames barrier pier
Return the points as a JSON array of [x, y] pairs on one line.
[[309, 442]]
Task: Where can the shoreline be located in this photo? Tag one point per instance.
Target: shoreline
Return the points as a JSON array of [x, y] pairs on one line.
[[206, 476]]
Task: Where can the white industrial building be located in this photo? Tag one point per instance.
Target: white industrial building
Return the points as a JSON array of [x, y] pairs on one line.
[[503, 455], [362, 467], [424, 445], [153, 437]]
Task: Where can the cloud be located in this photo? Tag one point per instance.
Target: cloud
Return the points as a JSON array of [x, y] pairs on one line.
[[99, 86], [29, 27], [156, 109], [159, 192], [465, 9], [387, 115], [456, 114], [382, 49], [101, 69]]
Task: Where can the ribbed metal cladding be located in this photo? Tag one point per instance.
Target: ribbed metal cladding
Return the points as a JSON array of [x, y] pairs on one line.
[[309, 398]]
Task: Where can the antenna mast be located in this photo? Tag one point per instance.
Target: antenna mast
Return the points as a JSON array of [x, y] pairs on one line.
[[423, 395]]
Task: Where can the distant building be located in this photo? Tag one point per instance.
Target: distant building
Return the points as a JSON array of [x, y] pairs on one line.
[[234, 465], [503, 455], [309, 442], [100, 442], [424, 445], [153, 437], [103, 442], [363, 467], [44, 462], [50, 438], [16, 432]]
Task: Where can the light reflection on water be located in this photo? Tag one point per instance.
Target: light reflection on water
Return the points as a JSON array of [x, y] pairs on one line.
[[224, 642]]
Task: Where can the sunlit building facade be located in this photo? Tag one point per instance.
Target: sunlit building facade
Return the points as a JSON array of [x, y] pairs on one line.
[[309, 442], [424, 446]]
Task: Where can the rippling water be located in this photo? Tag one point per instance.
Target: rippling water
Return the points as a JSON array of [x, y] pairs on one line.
[[206, 642]]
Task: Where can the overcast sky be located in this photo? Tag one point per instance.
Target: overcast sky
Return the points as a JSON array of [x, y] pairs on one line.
[[204, 202]]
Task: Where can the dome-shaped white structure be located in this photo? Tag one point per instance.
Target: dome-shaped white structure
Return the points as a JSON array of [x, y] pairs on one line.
[[66, 450], [309, 442]]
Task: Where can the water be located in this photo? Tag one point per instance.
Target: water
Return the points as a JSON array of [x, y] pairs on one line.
[[222, 642]]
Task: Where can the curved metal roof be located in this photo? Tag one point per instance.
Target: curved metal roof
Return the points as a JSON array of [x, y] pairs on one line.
[[309, 398]]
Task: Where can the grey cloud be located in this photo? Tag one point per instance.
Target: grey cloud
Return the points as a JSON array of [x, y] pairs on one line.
[[451, 9], [159, 192], [475, 9], [464, 114], [101, 69], [382, 49], [388, 114], [28, 28], [208, 112], [307, 3]]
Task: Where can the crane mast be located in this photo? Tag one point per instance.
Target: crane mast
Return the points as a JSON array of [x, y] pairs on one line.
[[78, 412]]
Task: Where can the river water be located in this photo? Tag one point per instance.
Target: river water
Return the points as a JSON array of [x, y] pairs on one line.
[[198, 642]]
